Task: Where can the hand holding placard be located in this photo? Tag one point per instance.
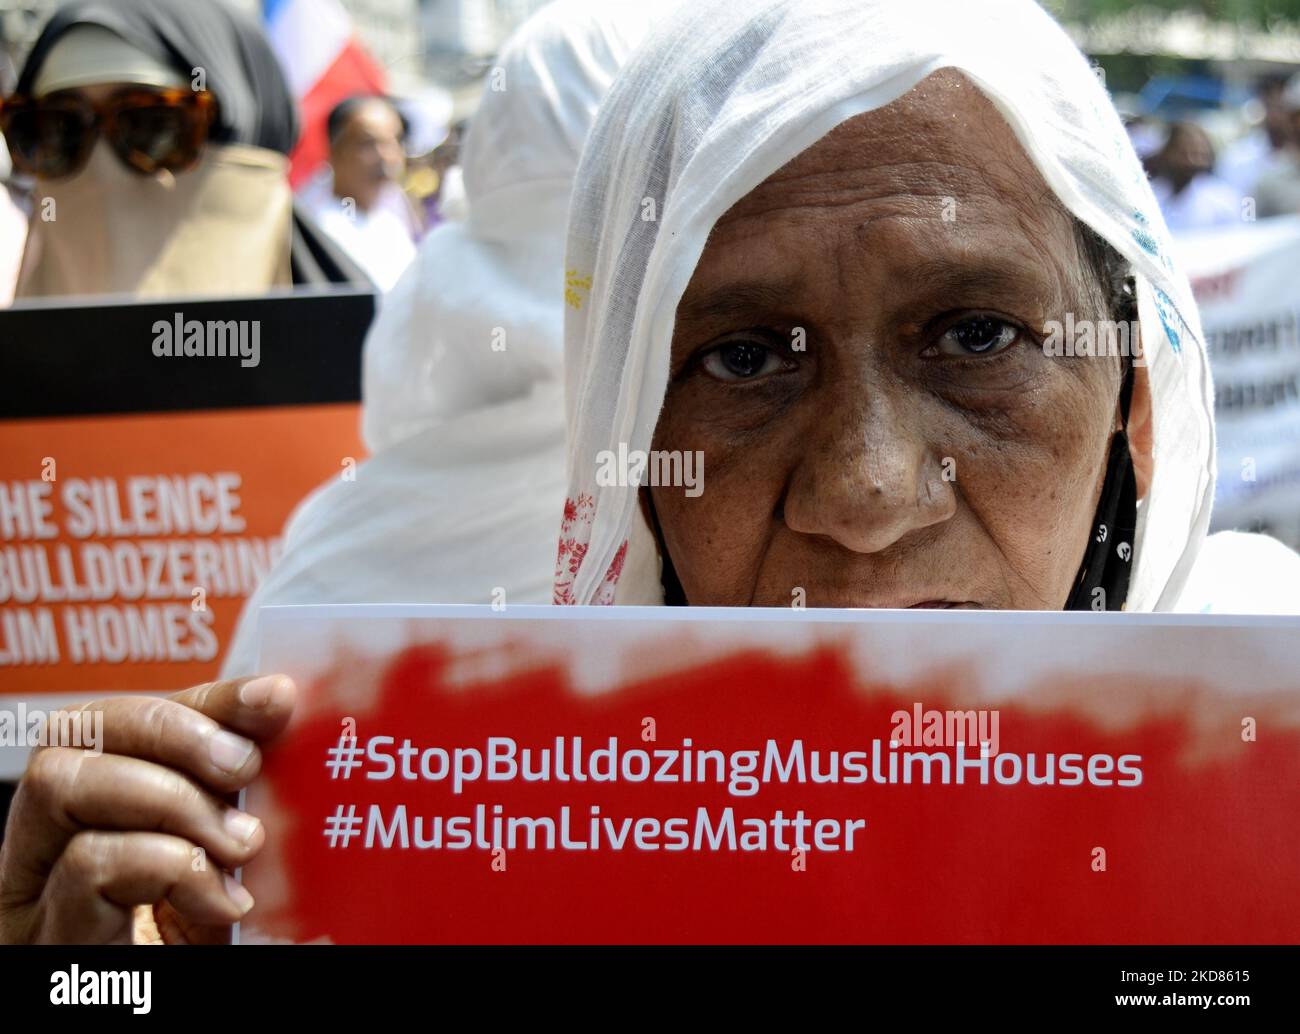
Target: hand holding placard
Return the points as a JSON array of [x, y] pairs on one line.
[[143, 823]]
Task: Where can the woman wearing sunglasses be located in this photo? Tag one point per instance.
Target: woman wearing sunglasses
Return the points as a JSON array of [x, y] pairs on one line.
[[156, 133]]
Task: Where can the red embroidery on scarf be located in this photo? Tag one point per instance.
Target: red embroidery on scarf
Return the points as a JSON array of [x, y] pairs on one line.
[[575, 531], [605, 594]]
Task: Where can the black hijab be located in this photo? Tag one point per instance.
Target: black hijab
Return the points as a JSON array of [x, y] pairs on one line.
[[240, 68], [238, 63]]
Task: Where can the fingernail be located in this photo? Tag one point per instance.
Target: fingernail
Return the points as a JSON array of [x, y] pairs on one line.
[[228, 751], [238, 894], [241, 825], [257, 693]]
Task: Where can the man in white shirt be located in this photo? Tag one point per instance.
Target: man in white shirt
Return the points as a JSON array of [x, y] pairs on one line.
[[358, 200], [1190, 196]]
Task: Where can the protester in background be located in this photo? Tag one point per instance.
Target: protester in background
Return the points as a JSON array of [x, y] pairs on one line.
[[1278, 189], [432, 148], [1190, 196], [158, 133], [357, 198], [463, 406], [1246, 160], [447, 199]]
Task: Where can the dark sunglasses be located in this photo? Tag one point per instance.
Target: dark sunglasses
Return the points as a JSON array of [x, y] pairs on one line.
[[149, 129]]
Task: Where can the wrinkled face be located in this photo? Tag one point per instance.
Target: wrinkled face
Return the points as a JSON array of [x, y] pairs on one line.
[[859, 358]]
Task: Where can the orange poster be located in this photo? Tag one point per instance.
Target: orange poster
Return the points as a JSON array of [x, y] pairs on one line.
[[128, 544]]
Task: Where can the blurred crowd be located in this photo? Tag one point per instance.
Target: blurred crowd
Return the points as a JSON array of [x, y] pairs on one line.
[[131, 172], [1202, 186]]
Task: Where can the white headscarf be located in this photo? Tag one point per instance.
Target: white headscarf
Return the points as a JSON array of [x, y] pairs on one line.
[[458, 502], [726, 94]]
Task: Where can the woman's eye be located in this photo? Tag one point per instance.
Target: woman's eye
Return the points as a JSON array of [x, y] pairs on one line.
[[742, 361], [979, 335]]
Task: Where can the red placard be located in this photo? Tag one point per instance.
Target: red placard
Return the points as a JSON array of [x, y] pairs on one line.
[[779, 776]]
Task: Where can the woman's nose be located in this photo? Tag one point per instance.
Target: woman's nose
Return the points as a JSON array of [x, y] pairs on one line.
[[868, 477]]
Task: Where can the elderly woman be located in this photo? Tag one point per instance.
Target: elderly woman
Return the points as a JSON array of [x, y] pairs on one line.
[[829, 247], [827, 244]]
